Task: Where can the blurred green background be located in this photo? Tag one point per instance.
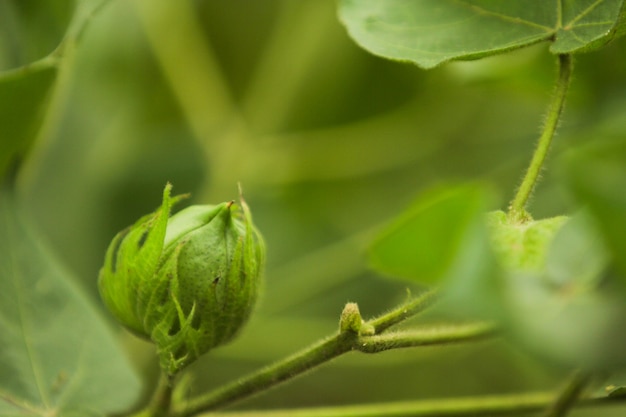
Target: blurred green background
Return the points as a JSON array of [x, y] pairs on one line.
[[329, 144]]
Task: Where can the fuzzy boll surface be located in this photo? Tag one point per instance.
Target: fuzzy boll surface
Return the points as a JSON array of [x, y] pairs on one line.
[[188, 283]]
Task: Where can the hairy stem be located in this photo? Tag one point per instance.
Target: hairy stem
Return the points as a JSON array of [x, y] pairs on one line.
[[272, 375], [517, 210], [346, 340], [160, 403], [568, 397], [426, 337], [403, 312]]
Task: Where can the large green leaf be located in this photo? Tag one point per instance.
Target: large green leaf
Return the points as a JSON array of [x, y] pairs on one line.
[[57, 355], [430, 32]]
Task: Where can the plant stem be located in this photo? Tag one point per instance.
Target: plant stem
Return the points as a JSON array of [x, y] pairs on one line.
[[330, 348], [570, 394], [161, 400], [427, 337], [512, 404], [403, 312], [517, 210], [272, 375]]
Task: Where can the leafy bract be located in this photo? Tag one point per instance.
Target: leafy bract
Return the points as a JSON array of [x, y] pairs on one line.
[[57, 355], [522, 245], [430, 32]]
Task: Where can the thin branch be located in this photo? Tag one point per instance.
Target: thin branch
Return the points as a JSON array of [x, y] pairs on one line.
[[160, 403], [570, 394], [427, 337], [403, 312], [449, 407], [346, 340]]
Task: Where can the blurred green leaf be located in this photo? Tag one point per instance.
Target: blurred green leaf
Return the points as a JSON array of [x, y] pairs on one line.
[[576, 257], [31, 29], [57, 355], [596, 175], [430, 32], [570, 325], [522, 246], [424, 242], [23, 98], [557, 303]]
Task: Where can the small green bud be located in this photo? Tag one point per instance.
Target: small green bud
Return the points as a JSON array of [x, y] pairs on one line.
[[350, 320], [189, 282]]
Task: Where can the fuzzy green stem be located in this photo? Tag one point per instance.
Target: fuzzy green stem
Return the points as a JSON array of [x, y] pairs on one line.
[[517, 210], [399, 314], [513, 404], [272, 375], [427, 337], [307, 359], [160, 403], [570, 394]]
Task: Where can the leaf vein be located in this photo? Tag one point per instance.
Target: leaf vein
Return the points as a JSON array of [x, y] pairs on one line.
[[504, 17], [584, 13], [24, 327]]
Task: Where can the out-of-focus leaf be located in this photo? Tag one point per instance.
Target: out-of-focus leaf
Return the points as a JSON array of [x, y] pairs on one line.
[[29, 33], [572, 325], [31, 29], [576, 257], [562, 309], [430, 32], [425, 242], [596, 175], [57, 356], [23, 98], [522, 246]]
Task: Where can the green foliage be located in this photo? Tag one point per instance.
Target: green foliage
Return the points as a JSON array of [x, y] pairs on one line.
[[597, 178], [58, 355], [31, 35], [31, 30], [425, 243], [431, 32], [329, 143], [23, 98], [558, 300]]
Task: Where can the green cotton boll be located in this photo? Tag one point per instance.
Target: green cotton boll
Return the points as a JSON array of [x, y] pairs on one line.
[[188, 283]]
